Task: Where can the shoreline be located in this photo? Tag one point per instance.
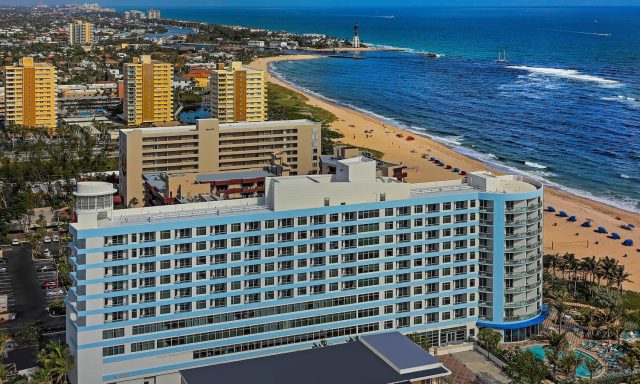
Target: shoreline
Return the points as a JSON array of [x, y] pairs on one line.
[[561, 236]]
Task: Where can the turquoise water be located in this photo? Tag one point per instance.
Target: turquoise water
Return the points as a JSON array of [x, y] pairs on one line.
[[582, 371], [565, 109]]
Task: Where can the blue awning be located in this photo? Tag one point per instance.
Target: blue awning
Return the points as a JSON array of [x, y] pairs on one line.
[[515, 325]]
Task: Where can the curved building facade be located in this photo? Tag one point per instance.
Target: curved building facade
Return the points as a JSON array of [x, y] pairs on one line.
[[510, 259]]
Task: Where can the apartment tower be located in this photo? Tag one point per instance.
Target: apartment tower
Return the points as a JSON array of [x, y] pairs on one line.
[[238, 93], [320, 257], [210, 147], [29, 92], [80, 33], [148, 98]]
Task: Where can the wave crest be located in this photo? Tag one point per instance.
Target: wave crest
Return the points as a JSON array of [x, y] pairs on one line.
[[570, 74]]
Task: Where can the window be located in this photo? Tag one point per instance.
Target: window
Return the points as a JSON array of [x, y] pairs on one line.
[[111, 351], [112, 333]]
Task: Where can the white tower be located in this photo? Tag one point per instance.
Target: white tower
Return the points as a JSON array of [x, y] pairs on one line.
[[94, 202], [356, 37]]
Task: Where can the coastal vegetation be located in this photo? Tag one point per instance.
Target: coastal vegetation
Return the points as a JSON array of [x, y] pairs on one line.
[[286, 104]]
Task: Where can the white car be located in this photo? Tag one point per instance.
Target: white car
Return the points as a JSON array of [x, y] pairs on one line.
[[56, 238], [3, 269], [46, 239], [15, 242], [46, 253], [54, 292]]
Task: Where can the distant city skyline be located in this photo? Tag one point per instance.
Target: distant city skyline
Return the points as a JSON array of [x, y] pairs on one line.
[[344, 4]]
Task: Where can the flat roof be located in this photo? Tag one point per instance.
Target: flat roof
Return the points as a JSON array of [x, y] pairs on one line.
[[346, 363], [402, 354], [209, 177], [225, 126]]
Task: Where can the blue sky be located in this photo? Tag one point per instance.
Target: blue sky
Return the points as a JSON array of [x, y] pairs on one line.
[[347, 3]]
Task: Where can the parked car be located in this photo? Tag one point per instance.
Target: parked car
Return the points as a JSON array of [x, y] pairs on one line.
[[54, 292], [50, 284], [46, 253], [46, 268], [56, 238], [46, 239], [4, 269], [15, 242], [3, 260]]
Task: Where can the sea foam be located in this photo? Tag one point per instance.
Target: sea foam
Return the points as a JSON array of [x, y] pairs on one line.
[[570, 74]]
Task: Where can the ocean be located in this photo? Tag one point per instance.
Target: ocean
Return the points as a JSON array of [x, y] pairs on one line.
[[565, 109]]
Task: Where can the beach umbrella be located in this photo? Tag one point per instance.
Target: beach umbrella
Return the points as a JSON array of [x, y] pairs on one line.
[[602, 230], [631, 226], [615, 236], [551, 209], [571, 219], [586, 224], [463, 173], [433, 158], [627, 243], [562, 214], [456, 170], [441, 164]]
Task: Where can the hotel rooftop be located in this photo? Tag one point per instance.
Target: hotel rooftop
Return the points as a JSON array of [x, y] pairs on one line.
[[354, 176]]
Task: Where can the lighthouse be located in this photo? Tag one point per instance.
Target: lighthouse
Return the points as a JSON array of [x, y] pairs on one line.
[[356, 37]]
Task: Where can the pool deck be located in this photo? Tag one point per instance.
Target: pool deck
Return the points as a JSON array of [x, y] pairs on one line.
[[603, 363]]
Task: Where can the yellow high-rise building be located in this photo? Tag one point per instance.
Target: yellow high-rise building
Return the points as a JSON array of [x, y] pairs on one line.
[[29, 93], [238, 93], [147, 91], [80, 33]]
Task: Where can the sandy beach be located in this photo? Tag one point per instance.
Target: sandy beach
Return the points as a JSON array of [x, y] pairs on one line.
[[560, 236]]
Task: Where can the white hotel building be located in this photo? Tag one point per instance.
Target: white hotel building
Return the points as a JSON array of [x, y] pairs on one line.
[[320, 257]]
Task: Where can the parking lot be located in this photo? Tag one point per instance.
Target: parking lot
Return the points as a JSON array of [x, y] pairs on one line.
[[22, 283]]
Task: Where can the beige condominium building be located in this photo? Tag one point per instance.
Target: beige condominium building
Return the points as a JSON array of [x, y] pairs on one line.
[[238, 93], [147, 87], [209, 147], [29, 93], [80, 33]]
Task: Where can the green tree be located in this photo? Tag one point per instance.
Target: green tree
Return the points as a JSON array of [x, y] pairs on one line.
[[56, 360], [592, 367], [524, 368], [29, 336], [490, 339]]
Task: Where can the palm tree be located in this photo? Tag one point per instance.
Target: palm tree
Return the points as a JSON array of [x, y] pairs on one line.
[[592, 367], [56, 361], [561, 308], [557, 342], [619, 276], [630, 362], [551, 261], [569, 362], [590, 266]]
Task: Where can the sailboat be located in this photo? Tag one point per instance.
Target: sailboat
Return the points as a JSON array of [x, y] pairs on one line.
[[502, 57]]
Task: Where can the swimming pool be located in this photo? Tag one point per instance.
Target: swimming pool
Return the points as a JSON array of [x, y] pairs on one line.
[[582, 371]]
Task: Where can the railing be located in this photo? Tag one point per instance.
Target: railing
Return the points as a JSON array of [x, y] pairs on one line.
[[522, 303], [523, 288], [522, 317]]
